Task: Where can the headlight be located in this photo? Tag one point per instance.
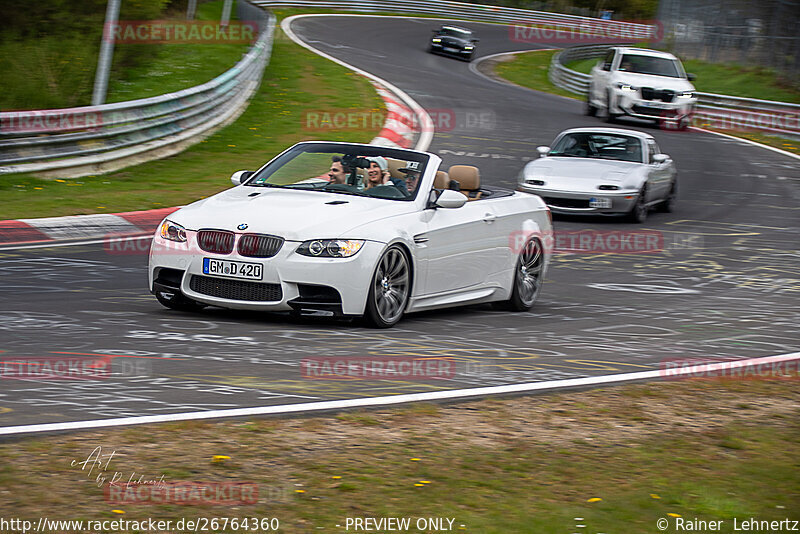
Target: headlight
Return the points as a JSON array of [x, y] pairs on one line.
[[330, 248], [685, 94], [626, 87], [436, 40], [468, 47], [173, 232]]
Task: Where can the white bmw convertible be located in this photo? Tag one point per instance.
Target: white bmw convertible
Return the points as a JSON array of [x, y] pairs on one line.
[[353, 230], [603, 171]]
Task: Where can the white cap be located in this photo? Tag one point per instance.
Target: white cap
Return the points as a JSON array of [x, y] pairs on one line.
[[381, 161]]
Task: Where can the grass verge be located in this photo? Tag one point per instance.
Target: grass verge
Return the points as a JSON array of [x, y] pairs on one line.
[[295, 82], [56, 70], [177, 66], [619, 459], [529, 69]]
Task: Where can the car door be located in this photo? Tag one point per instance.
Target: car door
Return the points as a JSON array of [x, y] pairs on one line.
[[458, 246], [660, 174]]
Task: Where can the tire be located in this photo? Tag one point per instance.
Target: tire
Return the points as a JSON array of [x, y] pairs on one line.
[[528, 278], [668, 205], [389, 289], [178, 301], [610, 117], [638, 213], [590, 110]]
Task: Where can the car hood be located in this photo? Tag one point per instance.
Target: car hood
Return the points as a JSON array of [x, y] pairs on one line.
[[582, 174], [293, 215], [656, 82]]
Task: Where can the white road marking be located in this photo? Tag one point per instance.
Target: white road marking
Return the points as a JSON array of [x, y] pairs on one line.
[[309, 407]]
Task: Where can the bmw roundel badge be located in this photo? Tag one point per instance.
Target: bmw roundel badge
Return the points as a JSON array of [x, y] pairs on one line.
[[242, 226]]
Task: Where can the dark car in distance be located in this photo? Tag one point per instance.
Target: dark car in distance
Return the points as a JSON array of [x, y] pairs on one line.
[[453, 41]]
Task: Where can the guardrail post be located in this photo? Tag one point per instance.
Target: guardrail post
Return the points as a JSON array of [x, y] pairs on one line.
[[226, 13], [106, 54], [191, 10]]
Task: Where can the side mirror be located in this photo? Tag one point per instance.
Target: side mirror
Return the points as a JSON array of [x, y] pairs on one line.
[[691, 77], [239, 177], [475, 40], [451, 199], [660, 158], [543, 151]]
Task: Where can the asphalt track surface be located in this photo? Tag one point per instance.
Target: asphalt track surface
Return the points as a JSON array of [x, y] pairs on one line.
[[725, 286]]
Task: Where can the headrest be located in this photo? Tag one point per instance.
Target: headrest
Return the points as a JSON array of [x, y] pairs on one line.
[[394, 166], [442, 181], [467, 176]]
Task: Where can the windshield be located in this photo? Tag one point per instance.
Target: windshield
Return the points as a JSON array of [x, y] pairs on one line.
[[656, 66], [598, 146], [454, 32], [347, 169]]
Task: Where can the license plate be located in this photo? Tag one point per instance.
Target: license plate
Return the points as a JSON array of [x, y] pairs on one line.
[[599, 202], [450, 49], [652, 105], [233, 269]]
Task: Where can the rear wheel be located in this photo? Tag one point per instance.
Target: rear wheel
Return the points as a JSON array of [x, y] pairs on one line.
[[668, 206], [178, 301], [389, 289], [528, 278]]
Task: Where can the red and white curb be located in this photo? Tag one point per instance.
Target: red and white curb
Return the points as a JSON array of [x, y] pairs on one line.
[[401, 126], [76, 227]]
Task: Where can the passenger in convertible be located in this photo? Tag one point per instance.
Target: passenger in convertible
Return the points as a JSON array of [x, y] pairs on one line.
[[378, 174]]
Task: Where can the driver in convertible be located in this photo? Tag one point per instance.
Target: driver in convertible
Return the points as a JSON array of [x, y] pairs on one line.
[[378, 174]]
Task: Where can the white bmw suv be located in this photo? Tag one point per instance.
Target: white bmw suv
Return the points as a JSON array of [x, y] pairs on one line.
[[642, 83]]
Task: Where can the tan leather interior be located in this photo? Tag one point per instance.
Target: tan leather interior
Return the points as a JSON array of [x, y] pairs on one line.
[[469, 178], [394, 166], [442, 180]]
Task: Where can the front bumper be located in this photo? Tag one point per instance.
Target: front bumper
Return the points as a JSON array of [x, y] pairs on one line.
[[290, 281], [440, 48], [630, 103], [572, 202]]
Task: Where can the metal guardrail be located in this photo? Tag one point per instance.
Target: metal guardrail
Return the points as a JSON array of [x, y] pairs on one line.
[[713, 110], [91, 139], [474, 12]]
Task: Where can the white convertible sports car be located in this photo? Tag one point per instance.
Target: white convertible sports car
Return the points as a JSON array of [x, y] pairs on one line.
[[331, 228], [602, 171]]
